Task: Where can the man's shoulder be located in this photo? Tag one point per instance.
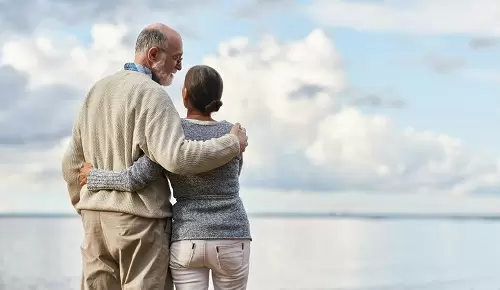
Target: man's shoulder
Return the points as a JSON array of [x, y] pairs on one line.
[[125, 78], [136, 85]]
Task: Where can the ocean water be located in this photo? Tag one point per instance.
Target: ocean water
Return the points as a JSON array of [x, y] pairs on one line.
[[292, 253]]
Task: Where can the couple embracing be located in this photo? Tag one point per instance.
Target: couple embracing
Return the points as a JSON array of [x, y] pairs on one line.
[[128, 143]]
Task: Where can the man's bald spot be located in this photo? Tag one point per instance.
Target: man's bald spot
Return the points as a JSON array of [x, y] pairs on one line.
[[167, 31]]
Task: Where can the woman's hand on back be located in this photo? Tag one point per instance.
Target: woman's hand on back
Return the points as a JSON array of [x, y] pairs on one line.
[[84, 172]]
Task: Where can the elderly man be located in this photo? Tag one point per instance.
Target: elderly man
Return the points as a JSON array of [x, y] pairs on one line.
[[127, 234]]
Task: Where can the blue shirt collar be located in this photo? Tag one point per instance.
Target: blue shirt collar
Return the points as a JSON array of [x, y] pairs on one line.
[[140, 68]]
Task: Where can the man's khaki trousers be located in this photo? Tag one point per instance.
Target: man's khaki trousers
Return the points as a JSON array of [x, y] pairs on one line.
[[123, 251]]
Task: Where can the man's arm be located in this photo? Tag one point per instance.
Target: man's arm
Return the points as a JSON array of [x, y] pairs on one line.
[[141, 173], [165, 143], [241, 164], [71, 163]]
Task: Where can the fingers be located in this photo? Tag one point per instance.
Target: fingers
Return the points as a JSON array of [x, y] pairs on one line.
[[245, 137], [241, 128], [82, 175], [241, 132], [83, 180]]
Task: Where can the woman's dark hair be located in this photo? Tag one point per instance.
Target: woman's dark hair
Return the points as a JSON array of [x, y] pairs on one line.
[[204, 88]]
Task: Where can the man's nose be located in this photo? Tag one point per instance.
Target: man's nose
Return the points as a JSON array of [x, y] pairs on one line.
[[178, 66]]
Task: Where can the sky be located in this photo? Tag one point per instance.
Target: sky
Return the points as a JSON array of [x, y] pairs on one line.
[[365, 105]]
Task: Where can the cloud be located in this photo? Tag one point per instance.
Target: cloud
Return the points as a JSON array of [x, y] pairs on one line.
[[56, 59], [256, 8], [24, 164], [371, 153], [375, 101], [302, 133], [483, 42], [28, 116], [26, 16], [441, 64], [316, 142], [382, 99], [44, 80], [425, 17]]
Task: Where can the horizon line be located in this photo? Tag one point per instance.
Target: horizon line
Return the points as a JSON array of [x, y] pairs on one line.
[[291, 215]]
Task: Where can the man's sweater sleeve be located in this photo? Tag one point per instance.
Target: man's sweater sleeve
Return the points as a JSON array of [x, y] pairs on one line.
[[165, 143], [240, 165], [72, 161], [141, 173]]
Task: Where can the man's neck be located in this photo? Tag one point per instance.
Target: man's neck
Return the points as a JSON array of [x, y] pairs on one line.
[[141, 61]]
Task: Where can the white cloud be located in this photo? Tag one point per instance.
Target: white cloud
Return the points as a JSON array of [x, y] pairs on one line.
[[371, 152], [22, 17], [66, 60], [286, 94], [480, 17], [312, 142], [46, 72]]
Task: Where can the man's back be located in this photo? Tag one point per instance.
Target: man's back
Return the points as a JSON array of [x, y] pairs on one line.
[[112, 122]]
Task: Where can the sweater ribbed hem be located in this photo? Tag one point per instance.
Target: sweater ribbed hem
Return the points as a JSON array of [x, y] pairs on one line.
[[124, 202], [210, 238]]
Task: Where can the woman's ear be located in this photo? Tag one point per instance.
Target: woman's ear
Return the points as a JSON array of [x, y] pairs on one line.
[[184, 97]]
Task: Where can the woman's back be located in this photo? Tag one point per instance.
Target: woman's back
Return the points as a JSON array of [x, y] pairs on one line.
[[208, 204]]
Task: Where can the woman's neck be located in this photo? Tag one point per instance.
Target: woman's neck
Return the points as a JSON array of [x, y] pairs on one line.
[[198, 116]]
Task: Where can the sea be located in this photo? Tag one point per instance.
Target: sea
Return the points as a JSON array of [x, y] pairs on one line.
[[291, 253]]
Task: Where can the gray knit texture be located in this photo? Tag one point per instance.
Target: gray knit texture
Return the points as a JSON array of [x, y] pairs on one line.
[[208, 204]]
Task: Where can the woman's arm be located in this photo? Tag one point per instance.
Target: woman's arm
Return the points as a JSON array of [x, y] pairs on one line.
[[137, 176]]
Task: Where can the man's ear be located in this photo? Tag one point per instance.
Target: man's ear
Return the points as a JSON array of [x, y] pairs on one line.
[[153, 54]]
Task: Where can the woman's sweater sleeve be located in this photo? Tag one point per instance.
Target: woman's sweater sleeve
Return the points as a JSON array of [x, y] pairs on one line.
[[139, 175]]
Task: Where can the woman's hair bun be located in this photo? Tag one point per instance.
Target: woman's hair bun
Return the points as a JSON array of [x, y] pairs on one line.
[[213, 106]]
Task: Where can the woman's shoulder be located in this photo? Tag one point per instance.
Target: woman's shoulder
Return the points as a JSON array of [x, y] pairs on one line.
[[219, 124], [198, 130], [226, 124]]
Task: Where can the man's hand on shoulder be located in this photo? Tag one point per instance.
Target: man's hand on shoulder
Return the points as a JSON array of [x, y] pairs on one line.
[[241, 133]]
